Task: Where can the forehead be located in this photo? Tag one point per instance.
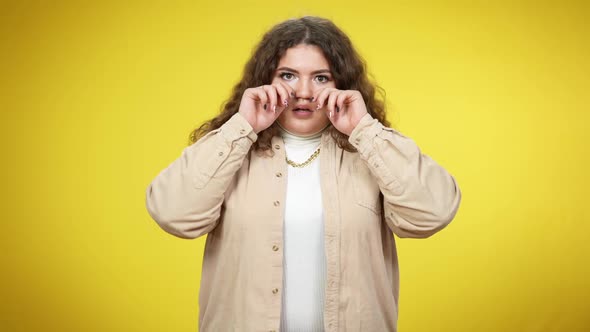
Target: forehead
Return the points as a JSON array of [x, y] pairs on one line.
[[304, 58]]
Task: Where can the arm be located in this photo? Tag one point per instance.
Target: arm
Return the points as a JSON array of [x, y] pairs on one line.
[[185, 199], [420, 197]]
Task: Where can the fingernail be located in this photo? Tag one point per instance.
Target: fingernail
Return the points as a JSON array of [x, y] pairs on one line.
[[274, 109], [330, 114], [264, 107], [319, 106]]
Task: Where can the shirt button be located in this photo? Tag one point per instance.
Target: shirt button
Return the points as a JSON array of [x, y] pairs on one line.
[[275, 248], [276, 290], [277, 203], [279, 174], [220, 153], [277, 146], [242, 131]]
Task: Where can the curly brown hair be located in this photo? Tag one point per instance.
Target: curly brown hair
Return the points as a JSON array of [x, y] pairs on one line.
[[347, 66]]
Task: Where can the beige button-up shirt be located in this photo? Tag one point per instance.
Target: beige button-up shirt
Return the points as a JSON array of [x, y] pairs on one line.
[[219, 188]]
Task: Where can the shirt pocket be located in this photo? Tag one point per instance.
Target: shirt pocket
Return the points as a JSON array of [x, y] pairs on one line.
[[366, 190]]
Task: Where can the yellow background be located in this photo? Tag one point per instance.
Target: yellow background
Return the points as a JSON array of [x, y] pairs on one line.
[[98, 97]]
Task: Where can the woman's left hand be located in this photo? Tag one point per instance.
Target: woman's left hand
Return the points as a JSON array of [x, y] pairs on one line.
[[344, 108]]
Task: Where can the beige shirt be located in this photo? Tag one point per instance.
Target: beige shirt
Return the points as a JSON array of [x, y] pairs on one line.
[[217, 187]]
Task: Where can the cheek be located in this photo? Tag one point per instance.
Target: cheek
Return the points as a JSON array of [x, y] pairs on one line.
[[290, 83], [283, 115]]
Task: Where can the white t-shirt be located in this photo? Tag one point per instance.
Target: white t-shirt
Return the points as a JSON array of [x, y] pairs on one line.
[[304, 273]]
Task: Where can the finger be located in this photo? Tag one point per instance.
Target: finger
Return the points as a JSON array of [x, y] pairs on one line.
[[271, 92], [321, 97], [283, 93], [331, 101], [340, 102], [260, 94], [290, 90]]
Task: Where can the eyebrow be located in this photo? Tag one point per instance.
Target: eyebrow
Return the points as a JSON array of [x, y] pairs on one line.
[[321, 71]]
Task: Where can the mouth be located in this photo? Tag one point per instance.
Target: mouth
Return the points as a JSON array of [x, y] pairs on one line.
[[303, 112], [303, 109]]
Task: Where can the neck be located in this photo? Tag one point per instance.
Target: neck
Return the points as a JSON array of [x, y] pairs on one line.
[[312, 136], [302, 141]]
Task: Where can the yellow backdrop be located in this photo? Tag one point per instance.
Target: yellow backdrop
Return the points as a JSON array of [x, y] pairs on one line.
[[97, 98]]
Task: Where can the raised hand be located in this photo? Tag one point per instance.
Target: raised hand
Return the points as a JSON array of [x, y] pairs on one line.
[[262, 105], [344, 108]]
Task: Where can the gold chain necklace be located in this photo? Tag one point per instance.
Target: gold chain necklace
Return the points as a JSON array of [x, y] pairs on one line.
[[305, 163]]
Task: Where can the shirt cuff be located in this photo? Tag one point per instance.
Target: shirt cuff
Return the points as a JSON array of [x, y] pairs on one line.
[[365, 131], [237, 127]]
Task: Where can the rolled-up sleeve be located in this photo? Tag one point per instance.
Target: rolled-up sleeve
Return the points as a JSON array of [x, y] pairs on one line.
[[419, 196], [185, 199]]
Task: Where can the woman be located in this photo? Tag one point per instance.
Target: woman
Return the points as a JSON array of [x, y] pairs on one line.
[[299, 184]]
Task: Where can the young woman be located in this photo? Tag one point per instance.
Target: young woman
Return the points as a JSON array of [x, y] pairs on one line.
[[299, 184]]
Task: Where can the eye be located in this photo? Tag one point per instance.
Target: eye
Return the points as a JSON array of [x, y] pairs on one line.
[[286, 76], [322, 78]]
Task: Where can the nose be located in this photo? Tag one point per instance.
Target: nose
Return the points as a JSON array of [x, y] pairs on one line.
[[303, 90]]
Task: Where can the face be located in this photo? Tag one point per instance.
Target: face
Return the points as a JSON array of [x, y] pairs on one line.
[[306, 70]]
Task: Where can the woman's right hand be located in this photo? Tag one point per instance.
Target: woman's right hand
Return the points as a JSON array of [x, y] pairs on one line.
[[262, 105]]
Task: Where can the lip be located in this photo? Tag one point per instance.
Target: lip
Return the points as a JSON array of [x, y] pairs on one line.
[[303, 111], [306, 107]]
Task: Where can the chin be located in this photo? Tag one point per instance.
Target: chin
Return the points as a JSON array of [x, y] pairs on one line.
[[303, 126], [304, 130]]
